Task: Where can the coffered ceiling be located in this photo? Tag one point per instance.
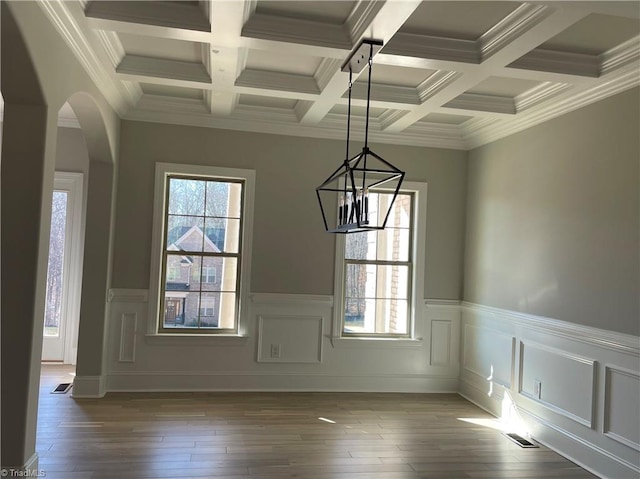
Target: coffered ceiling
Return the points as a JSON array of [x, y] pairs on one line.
[[450, 74]]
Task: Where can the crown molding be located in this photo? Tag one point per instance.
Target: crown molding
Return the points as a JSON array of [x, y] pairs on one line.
[[292, 30], [189, 73], [475, 101], [559, 62], [326, 71], [538, 94], [435, 83], [180, 15], [511, 27], [278, 121], [61, 16], [386, 93], [432, 47], [620, 56], [361, 18], [270, 80]]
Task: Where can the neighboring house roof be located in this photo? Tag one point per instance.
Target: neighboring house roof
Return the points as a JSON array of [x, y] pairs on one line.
[[179, 234]]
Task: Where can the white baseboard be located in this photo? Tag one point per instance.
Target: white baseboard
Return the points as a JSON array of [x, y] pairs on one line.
[[578, 404], [88, 387], [185, 381]]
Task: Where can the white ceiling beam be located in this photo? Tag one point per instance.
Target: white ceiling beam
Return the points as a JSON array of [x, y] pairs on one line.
[[225, 58], [382, 26], [148, 30]]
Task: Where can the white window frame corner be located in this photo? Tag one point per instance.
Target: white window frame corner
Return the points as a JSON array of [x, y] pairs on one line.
[[419, 190], [163, 170]]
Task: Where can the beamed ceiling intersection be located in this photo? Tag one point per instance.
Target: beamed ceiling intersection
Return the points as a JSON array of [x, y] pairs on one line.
[[451, 74]]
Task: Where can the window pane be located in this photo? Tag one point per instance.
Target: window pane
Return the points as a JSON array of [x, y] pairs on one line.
[[392, 282], [400, 214], [354, 312], [181, 309], [184, 233], [223, 199], [209, 310], [186, 197], [392, 244], [223, 235], [55, 266], [220, 274], [361, 245], [391, 316], [178, 272], [360, 281], [218, 310]]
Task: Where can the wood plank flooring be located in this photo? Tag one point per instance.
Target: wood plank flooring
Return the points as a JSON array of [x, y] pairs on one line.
[[276, 436]]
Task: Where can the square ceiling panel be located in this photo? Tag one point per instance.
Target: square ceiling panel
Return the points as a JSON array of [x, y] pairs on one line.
[[461, 20], [335, 12], [580, 38], [394, 75], [157, 47], [277, 62], [172, 91], [445, 119], [503, 87], [268, 101]]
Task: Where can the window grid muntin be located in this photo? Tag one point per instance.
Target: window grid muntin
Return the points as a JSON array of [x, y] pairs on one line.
[[166, 252], [409, 264]]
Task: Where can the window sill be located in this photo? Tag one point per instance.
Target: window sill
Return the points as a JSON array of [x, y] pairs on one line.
[[217, 339], [376, 343]]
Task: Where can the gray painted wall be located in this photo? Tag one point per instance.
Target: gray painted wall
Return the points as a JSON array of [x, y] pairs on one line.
[[291, 251], [71, 151], [553, 218]]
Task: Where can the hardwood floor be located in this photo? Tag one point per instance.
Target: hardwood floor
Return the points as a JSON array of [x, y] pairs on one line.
[[277, 435]]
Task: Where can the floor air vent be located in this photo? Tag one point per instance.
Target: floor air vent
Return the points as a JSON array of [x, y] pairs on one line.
[[62, 388], [519, 440]]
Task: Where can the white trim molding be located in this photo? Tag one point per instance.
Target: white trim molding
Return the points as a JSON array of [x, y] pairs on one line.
[[575, 387], [89, 387]]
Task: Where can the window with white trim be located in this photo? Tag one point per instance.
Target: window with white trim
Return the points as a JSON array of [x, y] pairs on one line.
[[199, 264], [380, 272]]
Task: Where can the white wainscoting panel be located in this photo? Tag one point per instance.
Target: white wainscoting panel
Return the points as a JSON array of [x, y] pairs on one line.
[[290, 339], [443, 334], [567, 381], [440, 342], [588, 404], [622, 406], [128, 329]]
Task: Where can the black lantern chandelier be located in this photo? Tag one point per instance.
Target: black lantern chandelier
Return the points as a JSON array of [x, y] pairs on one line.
[[347, 198]]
